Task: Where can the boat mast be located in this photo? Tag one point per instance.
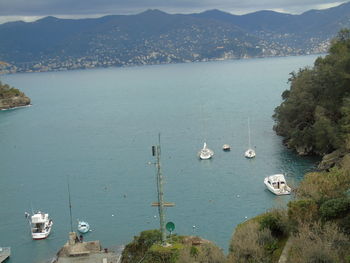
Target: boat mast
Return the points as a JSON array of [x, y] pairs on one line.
[[70, 205], [249, 146]]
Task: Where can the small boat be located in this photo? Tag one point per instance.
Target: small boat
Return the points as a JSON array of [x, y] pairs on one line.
[[226, 147], [205, 153], [41, 225], [277, 184], [250, 153], [83, 227]]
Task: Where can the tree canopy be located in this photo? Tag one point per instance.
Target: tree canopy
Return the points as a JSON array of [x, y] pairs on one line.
[[315, 112]]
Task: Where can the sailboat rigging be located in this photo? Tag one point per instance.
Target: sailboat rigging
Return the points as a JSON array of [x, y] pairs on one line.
[[250, 153]]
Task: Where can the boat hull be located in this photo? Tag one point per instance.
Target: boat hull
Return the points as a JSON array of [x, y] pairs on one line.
[[277, 191], [249, 154], [39, 236], [83, 227]]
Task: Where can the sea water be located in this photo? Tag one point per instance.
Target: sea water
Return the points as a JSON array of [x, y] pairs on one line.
[[96, 127]]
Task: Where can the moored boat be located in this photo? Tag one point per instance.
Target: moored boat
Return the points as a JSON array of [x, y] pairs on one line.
[[83, 227], [205, 153], [41, 225], [277, 184], [226, 147], [250, 153]]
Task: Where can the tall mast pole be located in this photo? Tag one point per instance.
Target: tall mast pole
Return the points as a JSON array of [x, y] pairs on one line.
[[160, 193], [70, 206]]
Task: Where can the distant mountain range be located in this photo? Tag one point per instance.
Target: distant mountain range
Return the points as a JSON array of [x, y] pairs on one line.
[[154, 37]]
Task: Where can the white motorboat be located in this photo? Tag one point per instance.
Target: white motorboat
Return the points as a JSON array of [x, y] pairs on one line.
[[277, 184], [226, 147], [205, 153], [83, 227], [250, 153], [41, 225]]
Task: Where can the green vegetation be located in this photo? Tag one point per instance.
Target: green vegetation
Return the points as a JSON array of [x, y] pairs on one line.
[[147, 248], [260, 239], [314, 116], [8, 92], [11, 97]]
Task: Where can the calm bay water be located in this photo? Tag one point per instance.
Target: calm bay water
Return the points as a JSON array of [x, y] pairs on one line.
[[98, 126]]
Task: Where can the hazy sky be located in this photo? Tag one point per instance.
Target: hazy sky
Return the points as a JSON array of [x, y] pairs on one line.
[[29, 10]]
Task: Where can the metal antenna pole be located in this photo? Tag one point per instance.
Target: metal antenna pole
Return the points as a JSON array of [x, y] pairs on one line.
[[70, 206], [160, 204], [160, 194]]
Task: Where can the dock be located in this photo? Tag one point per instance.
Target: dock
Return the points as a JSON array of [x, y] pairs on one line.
[[75, 251], [5, 253]]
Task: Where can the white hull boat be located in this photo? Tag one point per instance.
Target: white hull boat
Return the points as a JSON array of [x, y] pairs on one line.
[[40, 224], [277, 184], [250, 153], [226, 147], [205, 153], [83, 227]]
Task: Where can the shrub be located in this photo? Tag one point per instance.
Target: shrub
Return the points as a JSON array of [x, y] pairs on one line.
[[335, 208], [318, 243], [250, 244], [276, 222], [302, 211], [344, 225], [322, 186]]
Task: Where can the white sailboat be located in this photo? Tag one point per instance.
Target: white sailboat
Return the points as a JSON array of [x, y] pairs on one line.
[[41, 225], [277, 184], [205, 153], [250, 153]]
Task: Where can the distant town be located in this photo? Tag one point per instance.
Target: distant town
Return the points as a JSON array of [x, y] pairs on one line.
[[152, 58]]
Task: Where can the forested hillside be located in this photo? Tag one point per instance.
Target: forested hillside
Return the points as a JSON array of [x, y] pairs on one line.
[[314, 116]]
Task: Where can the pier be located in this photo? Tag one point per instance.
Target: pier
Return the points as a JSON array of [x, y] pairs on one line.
[[5, 253], [75, 251]]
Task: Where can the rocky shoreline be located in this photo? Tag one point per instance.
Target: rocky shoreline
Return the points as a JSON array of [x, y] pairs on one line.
[[14, 102]]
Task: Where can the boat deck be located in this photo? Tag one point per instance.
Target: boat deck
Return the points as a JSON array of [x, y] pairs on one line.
[[5, 253]]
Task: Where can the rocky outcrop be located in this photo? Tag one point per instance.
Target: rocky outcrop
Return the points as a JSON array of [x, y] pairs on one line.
[[13, 102]]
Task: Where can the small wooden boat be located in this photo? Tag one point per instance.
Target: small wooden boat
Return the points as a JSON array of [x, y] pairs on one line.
[[226, 147]]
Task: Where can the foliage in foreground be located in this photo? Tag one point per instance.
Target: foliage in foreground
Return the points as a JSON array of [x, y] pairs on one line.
[[146, 248]]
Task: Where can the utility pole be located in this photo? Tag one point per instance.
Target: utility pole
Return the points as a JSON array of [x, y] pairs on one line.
[[161, 204]]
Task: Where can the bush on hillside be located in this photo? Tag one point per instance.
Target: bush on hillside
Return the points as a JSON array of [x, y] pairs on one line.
[[319, 244], [335, 208], [322, 186], [300, 211], [250, 244], [137, 249], [276, 221]]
